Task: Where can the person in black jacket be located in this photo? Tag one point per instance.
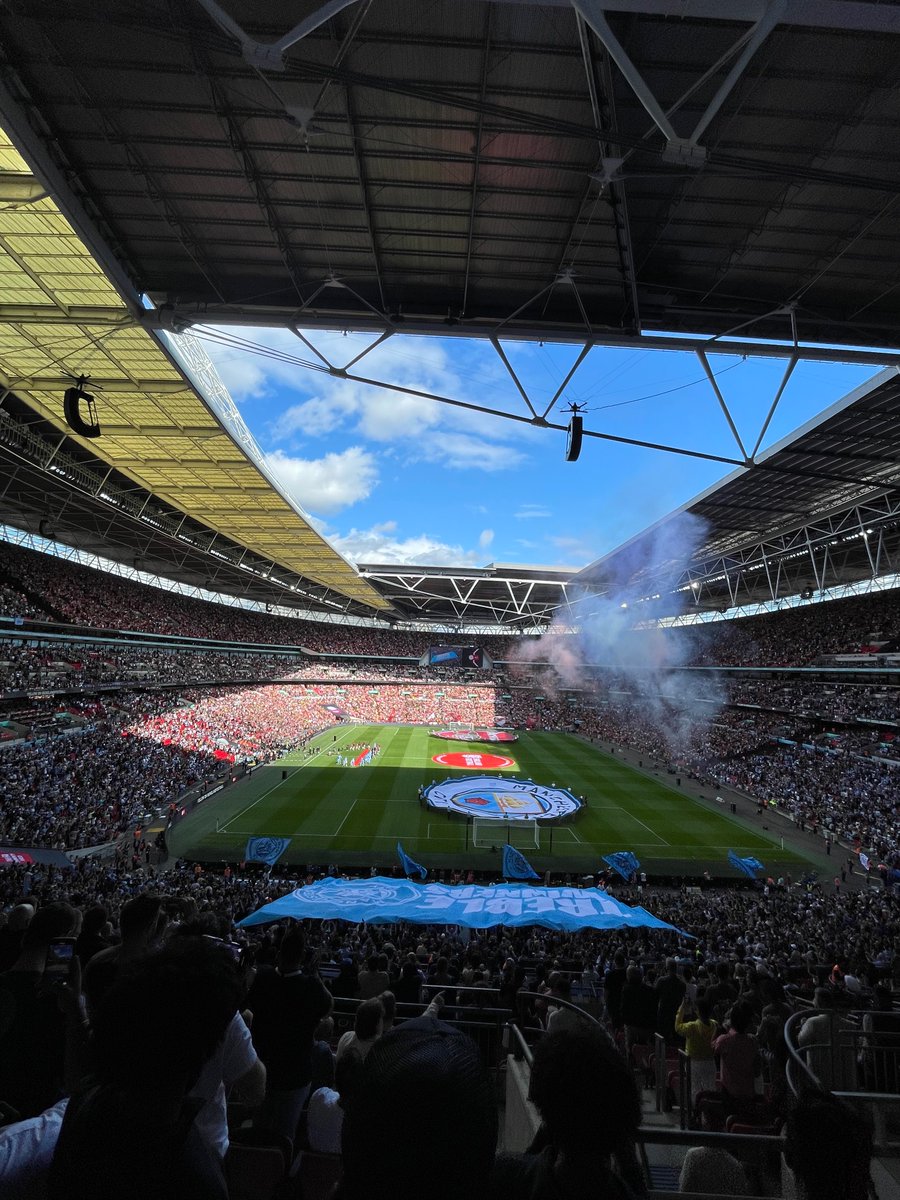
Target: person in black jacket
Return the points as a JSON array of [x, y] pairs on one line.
[[287, 1003]]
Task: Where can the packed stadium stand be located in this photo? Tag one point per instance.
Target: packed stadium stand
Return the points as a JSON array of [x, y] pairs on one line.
[[490, 169]]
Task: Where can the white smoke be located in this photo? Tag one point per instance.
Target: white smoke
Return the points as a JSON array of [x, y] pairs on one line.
[[607, 654]]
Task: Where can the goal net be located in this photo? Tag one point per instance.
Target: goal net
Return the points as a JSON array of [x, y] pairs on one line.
[[524, 835]]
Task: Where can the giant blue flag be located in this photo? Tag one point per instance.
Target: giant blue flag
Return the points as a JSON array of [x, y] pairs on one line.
[[266, 849], [410, 867], [748, 865], [382, 901], [516, 865], [622, 861]]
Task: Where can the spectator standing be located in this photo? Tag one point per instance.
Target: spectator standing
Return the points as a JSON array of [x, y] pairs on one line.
[[670, 993], [34, 1040], [287, 1005], [639, 1006], [695, 1024]]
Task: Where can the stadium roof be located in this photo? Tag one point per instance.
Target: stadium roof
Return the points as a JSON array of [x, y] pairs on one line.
[[499, 594], [610, 174], [515, 168], [185, 457], [820, 508]]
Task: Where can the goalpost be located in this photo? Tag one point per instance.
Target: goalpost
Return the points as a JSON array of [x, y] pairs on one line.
[[524, 835]]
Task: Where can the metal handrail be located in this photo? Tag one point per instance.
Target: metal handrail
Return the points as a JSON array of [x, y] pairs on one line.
[[839, 1040], [522, 1050]]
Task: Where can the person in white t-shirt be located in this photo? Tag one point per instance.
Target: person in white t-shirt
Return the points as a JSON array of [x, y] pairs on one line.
[[26, 1152], [233, 1065], [367, 1029], [325, 1115]]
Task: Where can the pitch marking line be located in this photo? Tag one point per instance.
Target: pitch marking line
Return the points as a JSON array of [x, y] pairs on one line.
[[275, 786], [346, 815], [660, 840]]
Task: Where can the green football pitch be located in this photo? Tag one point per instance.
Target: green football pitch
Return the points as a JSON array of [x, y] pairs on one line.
[[354, 816]]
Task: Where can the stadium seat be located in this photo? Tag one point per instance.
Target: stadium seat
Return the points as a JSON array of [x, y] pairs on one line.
[[254, 1172], [313, 1177]]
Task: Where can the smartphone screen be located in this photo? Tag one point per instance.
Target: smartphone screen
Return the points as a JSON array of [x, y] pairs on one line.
[[232, 948], [59, 958]]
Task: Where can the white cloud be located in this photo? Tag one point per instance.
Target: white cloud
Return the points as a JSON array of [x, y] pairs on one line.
[[381, 545], [328, 484], [427, 430], [572, 551], [487, 536], [529, 512], [461, 452]]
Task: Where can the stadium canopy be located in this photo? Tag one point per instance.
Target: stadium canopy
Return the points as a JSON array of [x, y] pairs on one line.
[[821, 508], [521, 168], [175, 480]]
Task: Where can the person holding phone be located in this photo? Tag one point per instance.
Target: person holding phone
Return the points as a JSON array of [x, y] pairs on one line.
[[38, 1014]]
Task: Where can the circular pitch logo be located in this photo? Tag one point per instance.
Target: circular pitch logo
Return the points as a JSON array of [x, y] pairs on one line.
[[475, 735], [475, 761], [502, 799]]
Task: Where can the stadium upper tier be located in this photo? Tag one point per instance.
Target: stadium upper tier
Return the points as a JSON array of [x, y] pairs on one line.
[[41, 587]]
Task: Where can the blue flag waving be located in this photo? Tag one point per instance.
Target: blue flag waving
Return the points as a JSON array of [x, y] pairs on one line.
[[748, 865], [516, 865], [410, 868], [622, 861], [266, 849]]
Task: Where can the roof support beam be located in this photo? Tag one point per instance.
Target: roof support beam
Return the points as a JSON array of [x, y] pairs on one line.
[[683, 150], [364, 189], [591, 11], [38, 314], [473, 204], [603, 108], [515, 328], [858, 15], [704, 362], [269, 56]]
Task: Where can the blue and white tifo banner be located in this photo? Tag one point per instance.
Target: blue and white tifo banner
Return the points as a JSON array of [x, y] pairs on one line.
[[493, 797], [381, 901], [266, 849]]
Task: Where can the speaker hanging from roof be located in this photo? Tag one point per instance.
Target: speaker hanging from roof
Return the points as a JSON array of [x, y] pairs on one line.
[[574, 435], [72, 411]]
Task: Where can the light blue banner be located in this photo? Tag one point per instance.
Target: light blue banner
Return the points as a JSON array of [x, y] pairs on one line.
[[748, 865], [516, 865], [381, 901], [266, 849], [409, 865], [624, 861]]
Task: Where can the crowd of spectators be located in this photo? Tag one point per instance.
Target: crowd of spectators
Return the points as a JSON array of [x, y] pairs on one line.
[[67, 592], [42, 586], [74, 665], [150, 940], [88, 771], [144, 947]]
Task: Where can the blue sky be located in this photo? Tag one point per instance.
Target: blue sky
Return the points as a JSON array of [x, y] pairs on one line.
[[392, 478]]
